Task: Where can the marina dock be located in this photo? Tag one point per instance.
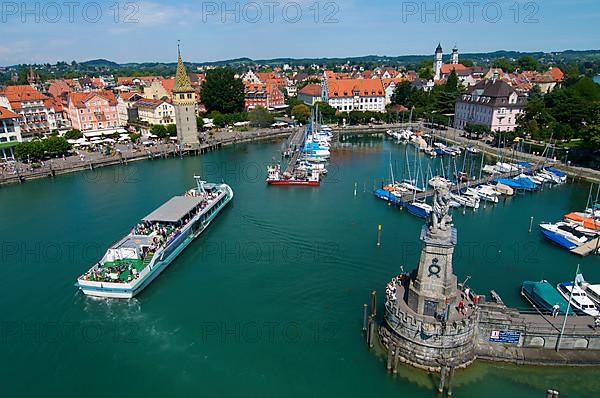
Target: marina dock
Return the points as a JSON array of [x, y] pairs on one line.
[[455, 188], [293, 146], [587, 248]]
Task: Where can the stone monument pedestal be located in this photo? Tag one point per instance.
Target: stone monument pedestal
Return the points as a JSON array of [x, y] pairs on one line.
[[422, 317], [435, 285]]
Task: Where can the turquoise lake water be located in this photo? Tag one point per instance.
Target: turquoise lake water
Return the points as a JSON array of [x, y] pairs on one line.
[[268, 301]]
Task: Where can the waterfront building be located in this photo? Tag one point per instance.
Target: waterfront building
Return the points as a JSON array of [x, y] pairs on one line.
[[160, 89], [184, 101], [267, 95], [310, 94], [155, 111], [95, 110], [493, 103], [10, 132], [390, 87], [36, 115], [348, 95], [125, 104]]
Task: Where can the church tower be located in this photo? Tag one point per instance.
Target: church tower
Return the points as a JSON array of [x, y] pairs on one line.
[[33, 78], [454, 58], [437, 63], [184, 101]]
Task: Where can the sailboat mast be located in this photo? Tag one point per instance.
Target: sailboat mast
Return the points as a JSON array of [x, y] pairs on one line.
[[562, 330]]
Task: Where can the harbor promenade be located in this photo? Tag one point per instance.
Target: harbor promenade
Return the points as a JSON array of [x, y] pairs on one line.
[[122, 154]]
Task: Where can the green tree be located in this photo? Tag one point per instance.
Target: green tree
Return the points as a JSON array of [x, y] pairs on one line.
[[467, 62], [222, 92], [527, 63], [73, 134], [505, 64], [199, 123], [403, 93], [477, 129], [171, 130], [55, 145], [31, 150], [425, 70], [159, 130], [301, 113], [260, 117], [328, 112]]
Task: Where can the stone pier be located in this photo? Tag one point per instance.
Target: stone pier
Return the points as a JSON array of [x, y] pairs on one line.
[[434, 322]]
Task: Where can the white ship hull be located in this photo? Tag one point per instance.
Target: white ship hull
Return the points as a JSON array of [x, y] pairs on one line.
[[160, 261]]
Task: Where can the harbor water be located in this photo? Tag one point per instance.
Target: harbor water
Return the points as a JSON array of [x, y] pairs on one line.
[[268, 301]]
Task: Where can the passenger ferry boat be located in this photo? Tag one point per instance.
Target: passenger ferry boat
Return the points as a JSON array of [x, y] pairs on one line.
[[137, 259]]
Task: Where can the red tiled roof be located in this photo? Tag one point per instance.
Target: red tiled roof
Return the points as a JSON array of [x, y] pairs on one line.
[[126, 95], [7, 114], [314, 90], [79, 100], [55, 103], [396, 80], [448, 68], [17, 94], [264, 76], [346, 87], [557, 74], [168, 84], [59, 87]]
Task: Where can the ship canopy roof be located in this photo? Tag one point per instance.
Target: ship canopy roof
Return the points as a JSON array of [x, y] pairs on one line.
[[174, 210]]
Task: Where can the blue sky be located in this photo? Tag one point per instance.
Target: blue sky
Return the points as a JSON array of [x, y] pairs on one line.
[[148, 31]]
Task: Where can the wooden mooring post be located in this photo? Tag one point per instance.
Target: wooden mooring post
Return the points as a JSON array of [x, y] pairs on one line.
[[450, 380], [373, 303], [365, 317], [442, 384], [370, 332], [390, 357]]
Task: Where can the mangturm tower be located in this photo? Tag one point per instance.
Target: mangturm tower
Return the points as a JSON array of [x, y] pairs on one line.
[[184, 100]]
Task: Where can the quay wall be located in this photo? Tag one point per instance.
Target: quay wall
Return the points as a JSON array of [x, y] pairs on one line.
[[142, 155], [538, 339], [427, 344]]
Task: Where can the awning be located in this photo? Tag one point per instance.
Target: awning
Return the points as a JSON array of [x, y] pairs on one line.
[[173, 210]]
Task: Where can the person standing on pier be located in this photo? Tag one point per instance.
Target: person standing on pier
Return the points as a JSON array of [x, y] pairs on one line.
[[555, 310]]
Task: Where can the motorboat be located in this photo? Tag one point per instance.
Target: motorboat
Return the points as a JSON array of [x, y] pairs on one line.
[[466, 201], [544, 297], [563, 234], [438, 181], [419, 209], [579, 298]]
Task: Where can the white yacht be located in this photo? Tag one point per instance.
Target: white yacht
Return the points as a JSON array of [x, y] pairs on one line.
[[579, 298]]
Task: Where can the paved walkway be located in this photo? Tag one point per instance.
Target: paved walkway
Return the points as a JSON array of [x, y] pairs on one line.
[[11, 172]]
